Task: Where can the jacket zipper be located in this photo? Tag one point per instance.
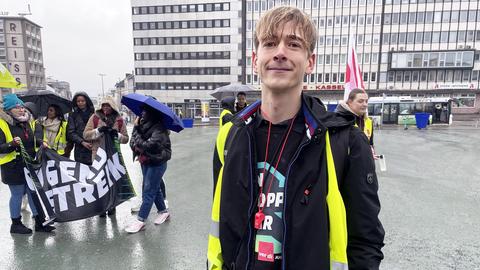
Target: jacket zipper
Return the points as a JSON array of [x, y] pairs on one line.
[[297, 153]]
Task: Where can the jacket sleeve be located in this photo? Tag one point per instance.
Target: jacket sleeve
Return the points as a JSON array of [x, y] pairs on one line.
[[4, 146], [124, 138], [90, 133], [158, 144], [133, 139], [72, 134], [360, 194]]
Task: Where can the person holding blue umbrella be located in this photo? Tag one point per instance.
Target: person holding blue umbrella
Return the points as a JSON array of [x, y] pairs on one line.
[[151, 144]]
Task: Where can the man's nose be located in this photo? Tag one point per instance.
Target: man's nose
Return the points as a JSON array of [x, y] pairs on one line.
[[280, 54]]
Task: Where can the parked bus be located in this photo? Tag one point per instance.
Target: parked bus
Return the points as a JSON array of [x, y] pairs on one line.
[[401, 110]]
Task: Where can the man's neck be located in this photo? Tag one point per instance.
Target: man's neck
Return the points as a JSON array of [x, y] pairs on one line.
[[278, 107]]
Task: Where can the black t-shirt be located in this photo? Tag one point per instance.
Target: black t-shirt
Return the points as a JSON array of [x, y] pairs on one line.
[[268, 239]]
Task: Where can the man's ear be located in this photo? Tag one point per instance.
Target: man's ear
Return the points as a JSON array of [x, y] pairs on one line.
[[310, 63], [254, 62]]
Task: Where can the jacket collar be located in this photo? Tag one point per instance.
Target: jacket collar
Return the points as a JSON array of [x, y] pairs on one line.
[[309, 106]]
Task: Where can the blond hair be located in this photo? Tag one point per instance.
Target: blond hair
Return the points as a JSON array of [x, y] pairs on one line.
[[276, 18]]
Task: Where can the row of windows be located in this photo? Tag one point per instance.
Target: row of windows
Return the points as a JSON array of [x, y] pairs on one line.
[[396, 2], [432, 60], [335, 59], [183, 71], [183, 55], [447, 16], [446, 76], [181, 40], [361, 39], [430, 76], [263, 5], [181, 24], [431, 37], [181, 8], [179, 86]]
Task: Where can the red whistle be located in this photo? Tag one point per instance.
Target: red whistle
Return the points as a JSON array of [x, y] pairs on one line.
[[259, 217]]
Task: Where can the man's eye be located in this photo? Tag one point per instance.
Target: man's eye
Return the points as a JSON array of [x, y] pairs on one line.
[[269, 44]]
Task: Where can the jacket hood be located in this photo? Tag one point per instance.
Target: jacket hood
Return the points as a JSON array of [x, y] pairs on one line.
[[344, 109], [5, 116], [107, 100], [315, 114], [87, 98]]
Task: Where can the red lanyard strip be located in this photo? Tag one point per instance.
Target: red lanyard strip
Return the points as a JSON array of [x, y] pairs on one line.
[[260, 207]]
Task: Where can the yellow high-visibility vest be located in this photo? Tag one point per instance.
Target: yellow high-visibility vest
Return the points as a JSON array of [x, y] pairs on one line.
[[220, 120], [336, 212], [5, 158], [368, 127], [60, 141]]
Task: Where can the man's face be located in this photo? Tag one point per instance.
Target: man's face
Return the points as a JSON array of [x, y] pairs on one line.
[[241, 100], [359, 104], [283, 60], [81, 102]]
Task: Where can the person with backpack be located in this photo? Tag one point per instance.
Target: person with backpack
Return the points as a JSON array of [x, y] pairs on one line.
[[106, 121], [278, 203], [77, 120]]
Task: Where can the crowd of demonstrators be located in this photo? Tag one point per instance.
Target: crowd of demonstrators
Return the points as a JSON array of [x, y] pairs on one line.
[[77, 120], [284, 152], [105, 121], [151, 144], [18, 126]]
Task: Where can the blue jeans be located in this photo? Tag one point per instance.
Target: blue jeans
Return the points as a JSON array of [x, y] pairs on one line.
[[152, 193], [17, 192]]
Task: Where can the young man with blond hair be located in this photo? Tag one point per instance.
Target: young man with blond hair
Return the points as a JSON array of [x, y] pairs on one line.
[[294, 186]]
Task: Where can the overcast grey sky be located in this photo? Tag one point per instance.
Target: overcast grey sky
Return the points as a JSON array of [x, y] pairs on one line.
[[82, 38]]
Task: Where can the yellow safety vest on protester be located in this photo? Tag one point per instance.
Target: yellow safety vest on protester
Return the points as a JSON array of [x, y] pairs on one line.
[[60, 141], [336, 212], [368, 127], [220, 120], [5, 158]]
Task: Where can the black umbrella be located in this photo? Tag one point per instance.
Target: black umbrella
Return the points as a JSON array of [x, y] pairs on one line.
[[45, 98]]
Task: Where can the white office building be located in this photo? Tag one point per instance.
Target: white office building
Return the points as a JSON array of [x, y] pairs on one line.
[[417, 48], [184, 49]]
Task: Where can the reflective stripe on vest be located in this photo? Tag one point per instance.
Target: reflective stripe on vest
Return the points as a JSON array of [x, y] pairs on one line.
[[5, 158], [60, 141], [336, 212], [220, 120]]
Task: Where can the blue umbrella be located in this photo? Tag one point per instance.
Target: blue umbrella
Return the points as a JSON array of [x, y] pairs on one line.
[[136, 102]]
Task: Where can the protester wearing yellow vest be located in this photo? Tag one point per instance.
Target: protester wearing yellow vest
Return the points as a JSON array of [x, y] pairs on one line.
[[228, 104], [17, 125], [55, 129], [278, 203]]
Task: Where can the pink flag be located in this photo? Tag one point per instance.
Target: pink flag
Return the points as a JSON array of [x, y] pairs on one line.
[[353, 75]]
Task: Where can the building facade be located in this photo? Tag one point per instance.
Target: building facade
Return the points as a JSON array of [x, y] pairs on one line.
[[61, 88], [21, 50], [184, 49], [417, 48]]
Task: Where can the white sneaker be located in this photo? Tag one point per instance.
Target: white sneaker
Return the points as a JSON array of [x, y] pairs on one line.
[[161, 218], [135, 226]]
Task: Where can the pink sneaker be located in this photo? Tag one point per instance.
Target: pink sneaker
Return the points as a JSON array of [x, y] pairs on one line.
[[161, 218], [135, 226]]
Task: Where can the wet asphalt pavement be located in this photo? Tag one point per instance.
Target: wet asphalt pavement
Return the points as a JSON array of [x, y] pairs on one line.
[[430, 199]]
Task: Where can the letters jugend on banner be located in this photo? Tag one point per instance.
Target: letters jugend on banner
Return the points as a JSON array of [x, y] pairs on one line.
[[67, 190]]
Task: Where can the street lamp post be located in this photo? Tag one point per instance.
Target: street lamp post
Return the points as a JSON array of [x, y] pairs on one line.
[[102, 75]]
